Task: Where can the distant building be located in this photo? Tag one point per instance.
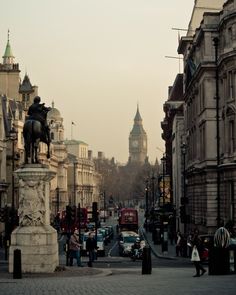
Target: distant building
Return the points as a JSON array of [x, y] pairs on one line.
[[137, 141], [12, 118], [58, 161], [76, 179], [82, 177]]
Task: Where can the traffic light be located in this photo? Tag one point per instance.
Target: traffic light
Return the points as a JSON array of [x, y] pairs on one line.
[[184, 200], [68, 213], [95, 211], [2, 215], [182, 214], [74, 213]]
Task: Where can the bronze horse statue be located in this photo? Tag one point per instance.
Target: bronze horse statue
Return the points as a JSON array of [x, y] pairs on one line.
[[34, 132]]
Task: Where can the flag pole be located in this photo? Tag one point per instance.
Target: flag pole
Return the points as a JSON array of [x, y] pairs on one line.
[[71, 133], [72, 123]]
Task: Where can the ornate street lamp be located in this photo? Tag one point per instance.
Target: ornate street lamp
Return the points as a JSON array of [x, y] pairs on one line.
[[57, 199], [12, 136], [216, 45], [163, 160], [103, 198], [146, 207], [153, 191], [184, 199], [75, 183]]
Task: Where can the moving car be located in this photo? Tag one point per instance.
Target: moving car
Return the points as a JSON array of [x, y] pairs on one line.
[[126, 240]]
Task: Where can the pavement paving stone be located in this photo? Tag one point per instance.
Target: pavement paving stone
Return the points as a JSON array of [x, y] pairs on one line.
[[118, 281], [166, 281]]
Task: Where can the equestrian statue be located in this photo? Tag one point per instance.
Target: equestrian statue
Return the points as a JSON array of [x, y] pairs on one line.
[[36, 130]]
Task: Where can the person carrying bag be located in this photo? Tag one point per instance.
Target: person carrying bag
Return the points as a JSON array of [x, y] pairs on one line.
[[196, 255]]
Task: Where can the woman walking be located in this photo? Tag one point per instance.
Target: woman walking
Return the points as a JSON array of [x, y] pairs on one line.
[[196, 255]]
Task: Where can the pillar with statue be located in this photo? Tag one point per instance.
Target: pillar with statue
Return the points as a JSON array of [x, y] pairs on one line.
[[34, 237]]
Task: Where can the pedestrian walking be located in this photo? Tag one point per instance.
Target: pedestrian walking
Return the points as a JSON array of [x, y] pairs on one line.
[[91, 248], [178, 246], [197, 252], [189, 243], [74, 249]]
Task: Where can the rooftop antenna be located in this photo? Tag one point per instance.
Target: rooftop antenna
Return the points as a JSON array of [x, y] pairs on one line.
[[211, 8], [175, 57]]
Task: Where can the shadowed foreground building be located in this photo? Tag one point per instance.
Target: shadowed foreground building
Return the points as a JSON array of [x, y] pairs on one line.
[[210, 118]]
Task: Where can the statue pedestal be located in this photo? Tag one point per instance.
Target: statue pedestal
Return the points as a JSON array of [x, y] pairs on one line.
[[34, 236]]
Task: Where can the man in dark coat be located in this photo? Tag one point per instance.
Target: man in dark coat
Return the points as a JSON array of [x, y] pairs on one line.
[[91, 248]]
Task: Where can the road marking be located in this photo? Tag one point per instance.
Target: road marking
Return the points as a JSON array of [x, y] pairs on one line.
[[109, 253]]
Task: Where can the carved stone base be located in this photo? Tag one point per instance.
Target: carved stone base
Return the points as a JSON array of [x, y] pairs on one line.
[[39, 248], [36, 239]]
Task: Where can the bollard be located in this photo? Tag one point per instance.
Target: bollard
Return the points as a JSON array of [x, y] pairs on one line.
[[147, 262], [219, 261], [67, 252], [154, 236], [234, 260], [17, 272]]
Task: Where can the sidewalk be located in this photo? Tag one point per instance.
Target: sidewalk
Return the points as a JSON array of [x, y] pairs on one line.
[[157, 249], [61, 271]]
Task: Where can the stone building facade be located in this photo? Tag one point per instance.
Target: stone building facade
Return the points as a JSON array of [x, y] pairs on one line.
[[83, 181], [15, 98], [209, 118]]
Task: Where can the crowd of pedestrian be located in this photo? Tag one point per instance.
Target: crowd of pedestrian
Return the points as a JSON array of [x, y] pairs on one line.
[[184, 243]]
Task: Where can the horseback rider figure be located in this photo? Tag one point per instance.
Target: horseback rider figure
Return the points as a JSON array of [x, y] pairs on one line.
[[37, 111]]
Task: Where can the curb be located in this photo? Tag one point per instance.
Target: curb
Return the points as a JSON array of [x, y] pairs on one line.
[[158, 255], [64, 272]]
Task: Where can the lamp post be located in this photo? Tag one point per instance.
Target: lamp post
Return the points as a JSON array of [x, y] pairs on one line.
[[183, 203], [104, 206], [153, 191], [163, 159], [12, 136], [216, 45], [147, 209], [79, 221], [74, 191], [57, 199]]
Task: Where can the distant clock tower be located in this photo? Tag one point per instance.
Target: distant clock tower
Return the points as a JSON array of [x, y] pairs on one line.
[[137, 141]]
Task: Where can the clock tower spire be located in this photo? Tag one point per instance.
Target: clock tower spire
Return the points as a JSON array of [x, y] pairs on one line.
[[138, 141]]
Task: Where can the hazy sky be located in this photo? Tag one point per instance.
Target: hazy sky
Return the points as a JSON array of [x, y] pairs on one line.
[[96, 59]]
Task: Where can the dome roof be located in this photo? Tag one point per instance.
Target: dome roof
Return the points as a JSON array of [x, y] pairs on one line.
[[54, 114]]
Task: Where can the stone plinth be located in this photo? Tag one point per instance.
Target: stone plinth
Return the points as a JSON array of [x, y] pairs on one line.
[[34, 236]]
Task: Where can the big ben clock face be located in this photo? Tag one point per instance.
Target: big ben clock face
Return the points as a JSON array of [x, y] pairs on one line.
[[134, 143]]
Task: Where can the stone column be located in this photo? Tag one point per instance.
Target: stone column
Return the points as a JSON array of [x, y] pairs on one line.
[[34, 236]]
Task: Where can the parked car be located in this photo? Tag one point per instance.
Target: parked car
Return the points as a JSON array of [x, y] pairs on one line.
[[126, 240], [232, 244], [103, 232]]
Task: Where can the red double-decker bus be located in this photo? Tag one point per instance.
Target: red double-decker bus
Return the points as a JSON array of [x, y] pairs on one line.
[[128, 219]]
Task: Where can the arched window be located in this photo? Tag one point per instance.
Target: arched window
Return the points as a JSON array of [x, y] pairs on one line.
[[230, 114]]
